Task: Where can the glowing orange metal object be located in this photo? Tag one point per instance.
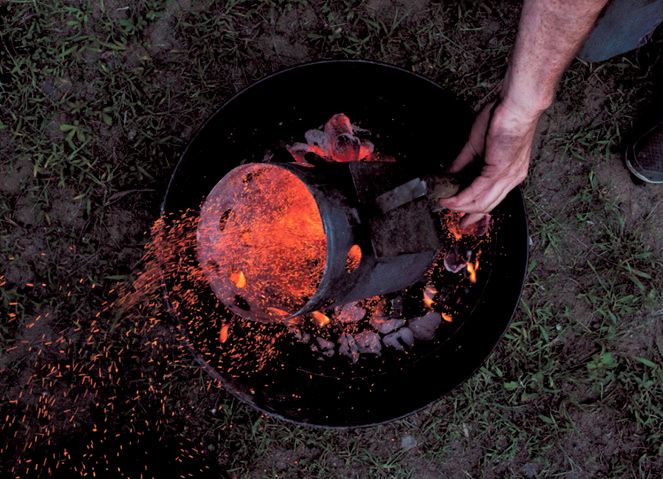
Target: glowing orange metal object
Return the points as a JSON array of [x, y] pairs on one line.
[[261, 242]]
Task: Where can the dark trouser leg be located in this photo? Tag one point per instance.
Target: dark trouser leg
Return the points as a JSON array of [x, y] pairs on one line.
[[625, 25]]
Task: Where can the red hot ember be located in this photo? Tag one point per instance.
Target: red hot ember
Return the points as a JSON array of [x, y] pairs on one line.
[[337, 142]]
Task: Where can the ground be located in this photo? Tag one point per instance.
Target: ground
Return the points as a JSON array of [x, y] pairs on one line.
[[99, 99]]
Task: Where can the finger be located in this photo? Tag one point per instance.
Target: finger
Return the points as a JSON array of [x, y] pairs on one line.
[[481, 196], [501, 197], [494, 198], [464, 158], [472, 199], [470, 219]]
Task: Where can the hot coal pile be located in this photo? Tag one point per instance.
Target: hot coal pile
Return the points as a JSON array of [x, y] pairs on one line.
[[393, 323]]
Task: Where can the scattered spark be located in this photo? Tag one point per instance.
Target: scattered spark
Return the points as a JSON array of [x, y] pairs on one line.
[[223, 336]]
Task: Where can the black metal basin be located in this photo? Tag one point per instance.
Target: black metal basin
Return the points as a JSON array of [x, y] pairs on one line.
[[420, 125]]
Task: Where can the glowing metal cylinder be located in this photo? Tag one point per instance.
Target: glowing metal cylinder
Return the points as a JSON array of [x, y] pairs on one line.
[[277, 240]]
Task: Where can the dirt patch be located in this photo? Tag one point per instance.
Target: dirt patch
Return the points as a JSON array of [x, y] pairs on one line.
[[462, 458], [640, 205], [388, 11], [643, 338], [279, 46], [32, 333], [285, 35], [14, 176], [22, 266], [66, 210], [596, 439], [161, 33]]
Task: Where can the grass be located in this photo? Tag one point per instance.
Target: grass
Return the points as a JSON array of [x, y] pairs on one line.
[[99, 99]]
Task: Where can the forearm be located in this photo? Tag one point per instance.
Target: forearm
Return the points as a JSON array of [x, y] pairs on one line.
[[550, 34]]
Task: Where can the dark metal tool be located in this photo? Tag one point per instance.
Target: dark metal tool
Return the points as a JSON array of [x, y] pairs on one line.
[[434, 187]]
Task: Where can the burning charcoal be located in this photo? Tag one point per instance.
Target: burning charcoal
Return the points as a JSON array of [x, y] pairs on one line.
[[386, 326], [223, 335], [276, 312], [368, 342], [319, 319], [338, 125], [326, 347], [429, 295], [404, 335], [358, 130], [296, 322], [472, 271], [345, 148], [350, 313], [397, 307], [298, 150], [455, 260], [336, 143], [348, 347], [366, 150], [299, 335], [425, 326], [319, 141], [324, 344]]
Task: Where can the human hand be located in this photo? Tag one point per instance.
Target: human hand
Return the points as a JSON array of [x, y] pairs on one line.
[[501, 137]]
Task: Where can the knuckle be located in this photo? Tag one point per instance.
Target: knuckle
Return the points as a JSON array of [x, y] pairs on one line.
[[521, 176]]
